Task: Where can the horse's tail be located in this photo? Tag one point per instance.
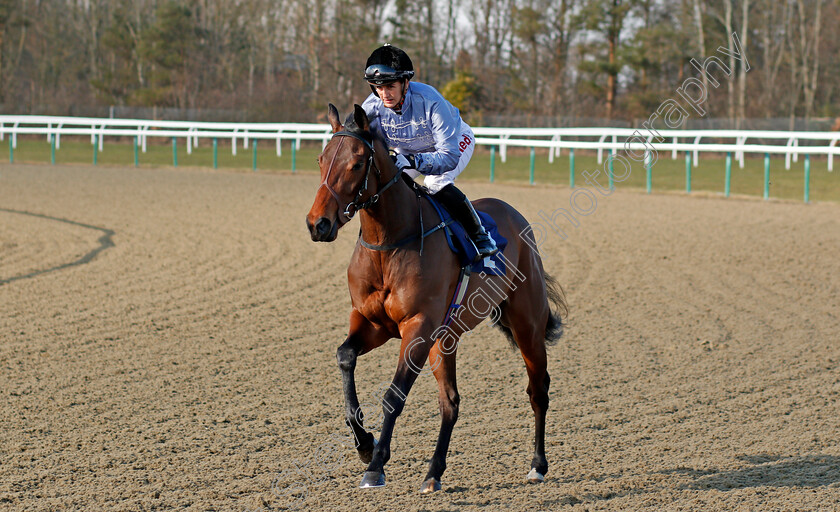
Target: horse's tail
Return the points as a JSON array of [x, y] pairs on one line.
[[560, 309]]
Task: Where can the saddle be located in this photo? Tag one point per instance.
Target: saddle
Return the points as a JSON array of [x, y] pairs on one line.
[[458, 240]]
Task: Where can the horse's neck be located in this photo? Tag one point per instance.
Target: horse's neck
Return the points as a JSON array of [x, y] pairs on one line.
[[395, 215]]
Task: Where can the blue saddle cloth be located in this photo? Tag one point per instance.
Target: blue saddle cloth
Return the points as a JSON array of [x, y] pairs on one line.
[[462, 246]]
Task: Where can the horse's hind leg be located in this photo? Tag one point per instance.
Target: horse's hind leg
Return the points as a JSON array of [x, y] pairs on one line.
[[532, 346], [363, 338], [444, 369]]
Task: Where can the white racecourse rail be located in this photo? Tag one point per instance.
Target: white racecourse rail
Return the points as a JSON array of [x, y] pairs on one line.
[[598, 139]]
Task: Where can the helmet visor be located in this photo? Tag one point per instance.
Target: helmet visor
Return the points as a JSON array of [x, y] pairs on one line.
[[380, 74]]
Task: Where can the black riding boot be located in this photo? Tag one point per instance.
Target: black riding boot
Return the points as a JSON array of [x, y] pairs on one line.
[[457, 204]]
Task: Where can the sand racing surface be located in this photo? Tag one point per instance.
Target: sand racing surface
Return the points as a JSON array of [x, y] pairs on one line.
[[168, 336]]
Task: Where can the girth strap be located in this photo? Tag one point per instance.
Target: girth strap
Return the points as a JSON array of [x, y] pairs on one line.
[[404, 241]]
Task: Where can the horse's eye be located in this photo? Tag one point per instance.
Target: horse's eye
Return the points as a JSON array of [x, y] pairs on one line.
[[357, 167]]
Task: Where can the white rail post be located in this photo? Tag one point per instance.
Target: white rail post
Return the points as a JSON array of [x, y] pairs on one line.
[[601, 149], [697, 149], [788, 154]]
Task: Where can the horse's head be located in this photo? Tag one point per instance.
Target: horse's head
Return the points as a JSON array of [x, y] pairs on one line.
[[346, 164]]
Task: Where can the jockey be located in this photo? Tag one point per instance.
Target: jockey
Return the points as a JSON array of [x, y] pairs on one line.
[[427, 134]]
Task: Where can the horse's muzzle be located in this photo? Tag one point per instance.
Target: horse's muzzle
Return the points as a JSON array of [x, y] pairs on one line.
[[323, 230]]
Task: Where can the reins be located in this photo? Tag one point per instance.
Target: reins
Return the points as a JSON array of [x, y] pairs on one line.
[[357, 204]]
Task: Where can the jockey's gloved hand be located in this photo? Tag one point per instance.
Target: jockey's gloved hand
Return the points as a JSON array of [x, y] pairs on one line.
[[404, 162]]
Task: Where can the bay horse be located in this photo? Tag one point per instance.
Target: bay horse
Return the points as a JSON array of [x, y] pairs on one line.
[[401, 284]]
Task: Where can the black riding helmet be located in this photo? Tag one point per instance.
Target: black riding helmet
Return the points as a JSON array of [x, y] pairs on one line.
[[388, 64]]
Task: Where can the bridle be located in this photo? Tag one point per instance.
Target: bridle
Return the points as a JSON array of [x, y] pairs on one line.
[[357, 204]]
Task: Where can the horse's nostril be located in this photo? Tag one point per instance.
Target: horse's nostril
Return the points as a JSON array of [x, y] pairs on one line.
[[323, 227]]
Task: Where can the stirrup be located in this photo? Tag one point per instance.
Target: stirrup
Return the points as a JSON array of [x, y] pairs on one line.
[[485, 245]]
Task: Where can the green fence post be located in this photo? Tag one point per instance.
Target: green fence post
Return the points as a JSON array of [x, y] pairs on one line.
[[254, 158], [807, 177], [52, 149], [492, 163], [174, 152], [294, 156], [726, 187], [531, 173], [136, 154], [648, 171], [611, 173], [572, 167], [688, 172], [95, 147], [215, 153], [766, 176], [11, 150]]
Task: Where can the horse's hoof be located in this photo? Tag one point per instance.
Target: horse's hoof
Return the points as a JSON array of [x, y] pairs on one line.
[[535, 477], [372, 479], [367, 455], [430, 485]]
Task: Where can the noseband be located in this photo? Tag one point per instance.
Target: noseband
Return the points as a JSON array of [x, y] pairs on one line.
[[357, 203]]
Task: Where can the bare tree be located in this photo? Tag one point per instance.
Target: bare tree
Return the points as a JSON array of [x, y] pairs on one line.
[[774, 33], [810, 50], [558, 41], [742, 76], [701, 38]]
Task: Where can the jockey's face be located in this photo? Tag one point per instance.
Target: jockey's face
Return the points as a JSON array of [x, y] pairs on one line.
[[391, 94]]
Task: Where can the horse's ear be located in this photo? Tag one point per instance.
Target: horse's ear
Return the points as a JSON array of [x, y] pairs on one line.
[[334, 120], [361, 118]]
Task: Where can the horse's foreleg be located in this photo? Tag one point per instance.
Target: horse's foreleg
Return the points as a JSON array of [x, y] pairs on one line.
[[444, 370], [415, 347], [363, 338]]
